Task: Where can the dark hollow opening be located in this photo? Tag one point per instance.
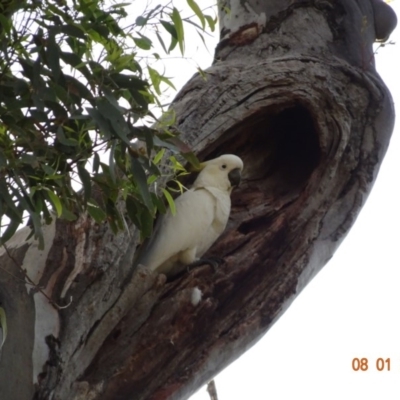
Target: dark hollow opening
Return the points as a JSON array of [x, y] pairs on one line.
[[295, 146], [280, 150]]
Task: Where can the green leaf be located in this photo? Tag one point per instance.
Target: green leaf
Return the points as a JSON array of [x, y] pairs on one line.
[[196, 9], [75, 61], [101, 122], [151, 168], [167, 81], [114, 217], [121, 5], [68, 215], [96, 163], [173, 44], [141, 180], [176, 164], [111, 163], [141, 21], [101, 30], [161, 42], [56, 202], [179, 144], [47, 169], [3, 324], [211, 22], [39, 116], [5, 23], [96, 212], [14, 213], [71, 30], [155, 79], [146, 223], [12, 227], [143, 42], [111, 98], [37, 227], [170, 201], [204, 43], [86, 181], [162, 143], [129, 81], [158, 203], [133, 209], [71, 58], [53, 57], [172, 31], [192, 159], [169, 28], [96, 68], [158, 157], [77, 88], [114, 115], [63, 140], [177, 20]]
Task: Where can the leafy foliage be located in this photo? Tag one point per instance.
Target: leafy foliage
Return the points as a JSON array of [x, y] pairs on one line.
[[73, 86]]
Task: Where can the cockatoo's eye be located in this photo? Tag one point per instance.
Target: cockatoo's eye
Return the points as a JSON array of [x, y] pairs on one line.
[[223, 166]]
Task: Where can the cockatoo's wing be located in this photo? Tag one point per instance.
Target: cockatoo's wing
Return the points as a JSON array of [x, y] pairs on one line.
[[177, 237]]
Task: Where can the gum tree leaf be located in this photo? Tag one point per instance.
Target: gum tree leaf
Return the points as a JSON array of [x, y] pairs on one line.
[[141, 179], [86, 181], [96, 212], [170, 201], [56, 202], [177, 20], [196, 9], [53, 57]]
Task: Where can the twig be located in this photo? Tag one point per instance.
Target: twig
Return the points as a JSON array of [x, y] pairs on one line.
[[212, 390], [30, 282]]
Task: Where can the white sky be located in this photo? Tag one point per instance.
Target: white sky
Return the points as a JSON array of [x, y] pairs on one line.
[[351, 309]]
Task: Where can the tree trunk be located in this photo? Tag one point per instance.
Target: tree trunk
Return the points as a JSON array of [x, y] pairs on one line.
[[294, 92]]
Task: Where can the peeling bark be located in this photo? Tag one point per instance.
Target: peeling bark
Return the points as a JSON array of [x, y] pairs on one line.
[[294, 92]]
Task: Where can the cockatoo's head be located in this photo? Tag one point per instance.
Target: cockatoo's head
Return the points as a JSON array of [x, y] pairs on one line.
[[223, 172]]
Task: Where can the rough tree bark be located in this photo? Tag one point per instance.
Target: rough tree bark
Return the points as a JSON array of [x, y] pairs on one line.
[[294, 92]]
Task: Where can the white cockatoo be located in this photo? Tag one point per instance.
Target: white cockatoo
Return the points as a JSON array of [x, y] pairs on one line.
[[201, 216]]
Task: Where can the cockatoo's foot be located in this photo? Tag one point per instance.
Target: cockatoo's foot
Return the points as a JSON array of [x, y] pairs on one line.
[[212, 261]]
